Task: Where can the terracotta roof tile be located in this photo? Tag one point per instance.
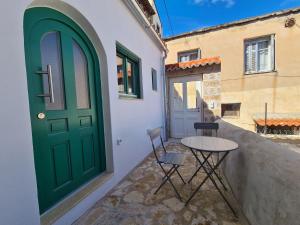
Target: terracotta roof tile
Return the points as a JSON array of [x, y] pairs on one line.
[[193, 64]]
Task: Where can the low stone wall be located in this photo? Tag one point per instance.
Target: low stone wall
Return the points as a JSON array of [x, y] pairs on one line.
[[264, 177]]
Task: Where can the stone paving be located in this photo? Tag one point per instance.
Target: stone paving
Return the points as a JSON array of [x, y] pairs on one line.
[[132, 202]]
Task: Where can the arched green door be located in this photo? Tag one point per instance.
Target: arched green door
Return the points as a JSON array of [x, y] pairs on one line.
[[65, 104]]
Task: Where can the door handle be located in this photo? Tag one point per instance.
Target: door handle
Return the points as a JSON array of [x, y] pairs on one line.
[[50, 83]]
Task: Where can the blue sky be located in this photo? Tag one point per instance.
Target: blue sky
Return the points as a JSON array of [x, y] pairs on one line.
[[188, 15]]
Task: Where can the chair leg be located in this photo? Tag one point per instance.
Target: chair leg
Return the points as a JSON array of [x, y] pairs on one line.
[[178, 195], [168, 175], [165, 178], [176, 168], [170, 171]]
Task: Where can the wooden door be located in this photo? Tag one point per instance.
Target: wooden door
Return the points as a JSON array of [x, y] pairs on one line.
[[66, 117], [185, 105]]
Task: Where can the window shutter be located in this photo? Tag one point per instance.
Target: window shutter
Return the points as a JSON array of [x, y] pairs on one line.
[[272, 52], [253, 58], [248, 58]]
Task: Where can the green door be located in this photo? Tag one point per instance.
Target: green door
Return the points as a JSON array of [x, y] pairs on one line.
[[66, 114]]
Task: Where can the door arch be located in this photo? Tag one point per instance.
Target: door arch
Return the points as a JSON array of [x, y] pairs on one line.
[[64, 90]]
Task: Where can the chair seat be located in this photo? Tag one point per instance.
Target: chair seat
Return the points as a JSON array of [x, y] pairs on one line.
[[172, 158]]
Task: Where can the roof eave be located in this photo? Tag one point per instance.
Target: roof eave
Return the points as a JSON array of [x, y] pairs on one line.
[[236, 23]]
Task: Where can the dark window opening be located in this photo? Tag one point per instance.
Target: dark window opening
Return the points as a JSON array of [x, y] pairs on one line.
[[231, 110]]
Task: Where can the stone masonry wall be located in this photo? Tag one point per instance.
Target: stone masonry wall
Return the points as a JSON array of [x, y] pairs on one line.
[[211, 96]]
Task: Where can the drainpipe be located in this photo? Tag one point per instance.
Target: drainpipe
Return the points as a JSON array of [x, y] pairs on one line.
[[165, 96]]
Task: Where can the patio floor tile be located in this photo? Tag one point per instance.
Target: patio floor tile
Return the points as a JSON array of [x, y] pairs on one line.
[[132, 202]]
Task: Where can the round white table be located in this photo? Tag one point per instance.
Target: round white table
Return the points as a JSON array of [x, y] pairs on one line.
[[208, 146]]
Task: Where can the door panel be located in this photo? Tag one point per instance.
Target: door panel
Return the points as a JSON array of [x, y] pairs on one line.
[[88, 152], [185, 101], [61, 163], [68, 149]]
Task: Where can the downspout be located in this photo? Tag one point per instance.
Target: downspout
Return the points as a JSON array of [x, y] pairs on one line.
[[165, 95]]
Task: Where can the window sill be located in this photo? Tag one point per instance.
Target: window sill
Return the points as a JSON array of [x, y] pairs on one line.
[[230, 117], [127, 96], [257, 73]]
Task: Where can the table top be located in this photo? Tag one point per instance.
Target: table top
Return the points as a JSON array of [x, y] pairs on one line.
[[209, 144]]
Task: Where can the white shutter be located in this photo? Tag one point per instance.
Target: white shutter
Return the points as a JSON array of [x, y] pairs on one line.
[[254, 57], [248, 58]]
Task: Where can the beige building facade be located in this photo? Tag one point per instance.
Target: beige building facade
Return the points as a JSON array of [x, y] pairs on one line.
[[276, 81]]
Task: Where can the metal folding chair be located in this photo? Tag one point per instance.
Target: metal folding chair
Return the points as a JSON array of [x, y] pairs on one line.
[[173, 159], [207, 126], [208, 165]]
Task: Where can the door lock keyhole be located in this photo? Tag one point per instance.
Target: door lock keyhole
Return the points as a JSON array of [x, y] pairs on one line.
[[41, 116]]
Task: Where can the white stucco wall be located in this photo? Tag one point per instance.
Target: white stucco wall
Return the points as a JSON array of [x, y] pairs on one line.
[[125, 119]]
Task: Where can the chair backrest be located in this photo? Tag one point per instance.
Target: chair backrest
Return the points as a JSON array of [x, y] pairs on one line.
[[207, 126], [155, 135]]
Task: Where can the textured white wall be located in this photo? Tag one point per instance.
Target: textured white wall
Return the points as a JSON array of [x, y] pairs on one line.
[[126, 119]]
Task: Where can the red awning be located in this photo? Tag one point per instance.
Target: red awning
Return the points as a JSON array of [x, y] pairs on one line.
[[278, 119], [279, 122]]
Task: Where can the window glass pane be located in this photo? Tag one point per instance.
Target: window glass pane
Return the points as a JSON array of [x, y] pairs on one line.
[[51, 55], [81, 77], [194, 56], [263, 56], [120, 74], [183, 58], [130, 78], [154, 80], [178, 96], [193, 89]]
